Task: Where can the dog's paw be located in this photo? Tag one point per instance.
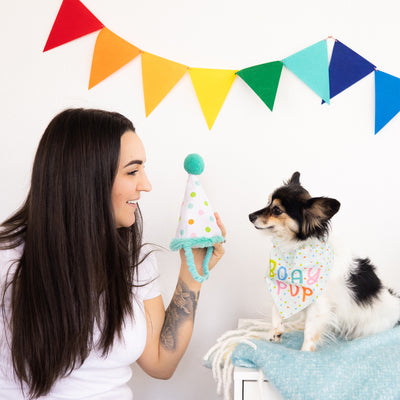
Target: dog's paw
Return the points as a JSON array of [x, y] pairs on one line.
[[275, 335], [308, 347]]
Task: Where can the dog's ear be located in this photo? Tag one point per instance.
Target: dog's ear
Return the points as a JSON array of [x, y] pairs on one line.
[[322, 207], [317, 213], [295, 179]]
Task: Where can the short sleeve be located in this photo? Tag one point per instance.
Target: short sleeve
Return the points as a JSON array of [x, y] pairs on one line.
[[147, 277]]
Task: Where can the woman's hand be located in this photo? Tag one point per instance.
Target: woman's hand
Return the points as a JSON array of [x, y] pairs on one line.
[[199, 254], [219, 250]]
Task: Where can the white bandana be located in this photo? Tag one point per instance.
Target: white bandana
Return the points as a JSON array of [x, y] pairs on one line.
[[296, 278]]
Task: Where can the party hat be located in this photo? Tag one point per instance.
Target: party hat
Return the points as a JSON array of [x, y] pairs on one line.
[[197, 227]]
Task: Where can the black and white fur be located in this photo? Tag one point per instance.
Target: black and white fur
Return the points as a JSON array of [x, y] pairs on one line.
[[355, 302]]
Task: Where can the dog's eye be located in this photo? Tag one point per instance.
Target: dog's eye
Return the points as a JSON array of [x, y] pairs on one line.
[[276, 211]]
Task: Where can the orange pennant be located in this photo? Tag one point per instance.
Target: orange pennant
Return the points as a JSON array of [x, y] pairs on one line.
[[110, 54], [212, 86], [159, 77]]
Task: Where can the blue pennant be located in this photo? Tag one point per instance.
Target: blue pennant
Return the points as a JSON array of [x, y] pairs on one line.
[[346, 68], [387, 98]]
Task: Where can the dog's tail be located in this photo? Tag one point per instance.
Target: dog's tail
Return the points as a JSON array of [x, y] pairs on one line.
[[394, 294]]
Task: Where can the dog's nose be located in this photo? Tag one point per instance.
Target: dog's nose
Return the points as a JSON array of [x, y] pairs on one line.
[[252, 217]]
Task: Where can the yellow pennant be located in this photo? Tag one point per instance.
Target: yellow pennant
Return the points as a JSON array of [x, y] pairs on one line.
[[212, 86], [159, 77], [110, 54]]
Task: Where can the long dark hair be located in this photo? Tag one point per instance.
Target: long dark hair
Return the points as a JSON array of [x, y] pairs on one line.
[[77, 269]]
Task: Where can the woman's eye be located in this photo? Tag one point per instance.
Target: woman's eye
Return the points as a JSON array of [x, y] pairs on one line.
[[276, 211], [133, 172]]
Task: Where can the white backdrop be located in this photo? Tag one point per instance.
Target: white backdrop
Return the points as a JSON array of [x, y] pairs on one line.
[[249, 151]]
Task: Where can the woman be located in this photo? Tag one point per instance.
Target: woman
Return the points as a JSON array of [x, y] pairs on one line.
[[80, 300]]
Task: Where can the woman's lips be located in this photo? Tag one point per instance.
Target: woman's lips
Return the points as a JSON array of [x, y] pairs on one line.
[[132, 203]]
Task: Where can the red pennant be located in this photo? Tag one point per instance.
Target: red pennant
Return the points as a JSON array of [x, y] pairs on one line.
[[73, 21]]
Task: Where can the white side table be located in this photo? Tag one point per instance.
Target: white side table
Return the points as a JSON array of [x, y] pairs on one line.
[[246, 386], [245, 381]]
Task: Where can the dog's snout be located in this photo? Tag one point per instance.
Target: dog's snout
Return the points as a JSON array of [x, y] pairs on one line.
[[252, 217]]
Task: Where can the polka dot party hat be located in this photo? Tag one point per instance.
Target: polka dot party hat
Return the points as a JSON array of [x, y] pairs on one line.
[[197, 227]]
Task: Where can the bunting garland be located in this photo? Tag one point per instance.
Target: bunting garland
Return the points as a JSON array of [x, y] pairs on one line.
[[311, 66], [346, 68], [263, 80], [211, 86], [73, 21], [387, 99], [110, 54], [160, 75]]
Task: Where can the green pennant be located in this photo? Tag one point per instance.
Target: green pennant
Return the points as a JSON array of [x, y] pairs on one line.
[[263, 80]]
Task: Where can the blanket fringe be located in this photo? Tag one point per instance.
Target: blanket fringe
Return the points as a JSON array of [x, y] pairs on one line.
[[220, 354]]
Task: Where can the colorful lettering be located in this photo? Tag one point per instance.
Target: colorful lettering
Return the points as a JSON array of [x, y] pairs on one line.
[[313, 278], [272, 266], [281, 285], [283, 276], [291, 290], [306, 292], [299, 276]]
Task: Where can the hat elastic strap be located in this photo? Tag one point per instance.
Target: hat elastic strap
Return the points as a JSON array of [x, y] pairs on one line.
[[192, 266]]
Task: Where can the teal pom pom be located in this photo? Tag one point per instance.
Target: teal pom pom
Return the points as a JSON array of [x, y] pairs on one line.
[[194, 164]]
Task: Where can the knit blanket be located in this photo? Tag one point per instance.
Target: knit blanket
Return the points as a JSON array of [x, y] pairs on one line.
[[367, 368]]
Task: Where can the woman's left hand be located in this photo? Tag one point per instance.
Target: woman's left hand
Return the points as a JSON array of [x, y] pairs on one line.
[[219, 250], [199, 254]]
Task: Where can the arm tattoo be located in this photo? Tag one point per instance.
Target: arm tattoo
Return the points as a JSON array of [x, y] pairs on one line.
[[182, 308]]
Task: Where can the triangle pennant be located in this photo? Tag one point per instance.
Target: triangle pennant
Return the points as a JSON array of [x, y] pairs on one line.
[[387, 98], [263, 79], [110, 54], [211, 86], [311, 66], [159, 77], [346, 68], [73, 21]]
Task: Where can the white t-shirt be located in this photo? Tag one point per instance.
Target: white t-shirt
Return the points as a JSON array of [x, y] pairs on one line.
[[103, 378]]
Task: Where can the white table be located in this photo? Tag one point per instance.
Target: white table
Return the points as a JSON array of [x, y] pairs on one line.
[[245, 381], [246, 386]]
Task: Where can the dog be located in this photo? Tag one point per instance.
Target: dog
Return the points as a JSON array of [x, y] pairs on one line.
[[344, 295]]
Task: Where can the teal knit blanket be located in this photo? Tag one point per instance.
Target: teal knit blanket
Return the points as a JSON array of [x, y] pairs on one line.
[[363, 369]]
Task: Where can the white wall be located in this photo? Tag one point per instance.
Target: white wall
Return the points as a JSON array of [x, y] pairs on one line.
[[249, 151]]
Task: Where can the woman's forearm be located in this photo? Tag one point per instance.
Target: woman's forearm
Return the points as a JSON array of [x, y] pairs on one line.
[[169, 331], [167, 343], [179, 318], [178, 324]]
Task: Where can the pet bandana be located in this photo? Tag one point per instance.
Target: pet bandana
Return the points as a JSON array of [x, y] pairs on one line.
[[296, 278]]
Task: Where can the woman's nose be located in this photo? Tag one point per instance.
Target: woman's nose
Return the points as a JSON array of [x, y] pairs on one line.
[[145, 185]]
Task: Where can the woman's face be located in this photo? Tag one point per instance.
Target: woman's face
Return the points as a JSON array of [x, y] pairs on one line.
[[130, 180]]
